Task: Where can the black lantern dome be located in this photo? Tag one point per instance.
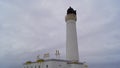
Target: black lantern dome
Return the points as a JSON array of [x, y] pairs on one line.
[[71, 11]]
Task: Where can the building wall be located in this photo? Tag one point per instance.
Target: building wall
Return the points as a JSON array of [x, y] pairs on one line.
[[56, 64], [77, 66], [49, 64], [53, 64]]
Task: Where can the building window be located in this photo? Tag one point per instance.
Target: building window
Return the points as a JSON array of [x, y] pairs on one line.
[[46, 66], [39, 66], [60, 65]]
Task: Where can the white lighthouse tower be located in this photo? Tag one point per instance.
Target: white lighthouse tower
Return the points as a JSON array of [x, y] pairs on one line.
[[72, 53]]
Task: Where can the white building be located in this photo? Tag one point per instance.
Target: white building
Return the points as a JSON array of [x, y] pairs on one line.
[[72, 54], [54, 63]]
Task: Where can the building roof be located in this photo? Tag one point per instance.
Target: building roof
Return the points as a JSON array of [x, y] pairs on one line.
[[59, 60]]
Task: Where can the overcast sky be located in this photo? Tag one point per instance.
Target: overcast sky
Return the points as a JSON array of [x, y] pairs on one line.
[[33, 27]]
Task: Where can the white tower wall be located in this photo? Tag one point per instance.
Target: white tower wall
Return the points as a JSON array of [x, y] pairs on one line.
[[71, 41], [71, 38]]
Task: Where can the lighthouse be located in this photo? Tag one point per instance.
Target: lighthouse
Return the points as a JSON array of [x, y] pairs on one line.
[[72, 53]]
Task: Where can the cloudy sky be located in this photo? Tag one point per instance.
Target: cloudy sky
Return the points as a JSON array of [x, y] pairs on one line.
[[33, 27]]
